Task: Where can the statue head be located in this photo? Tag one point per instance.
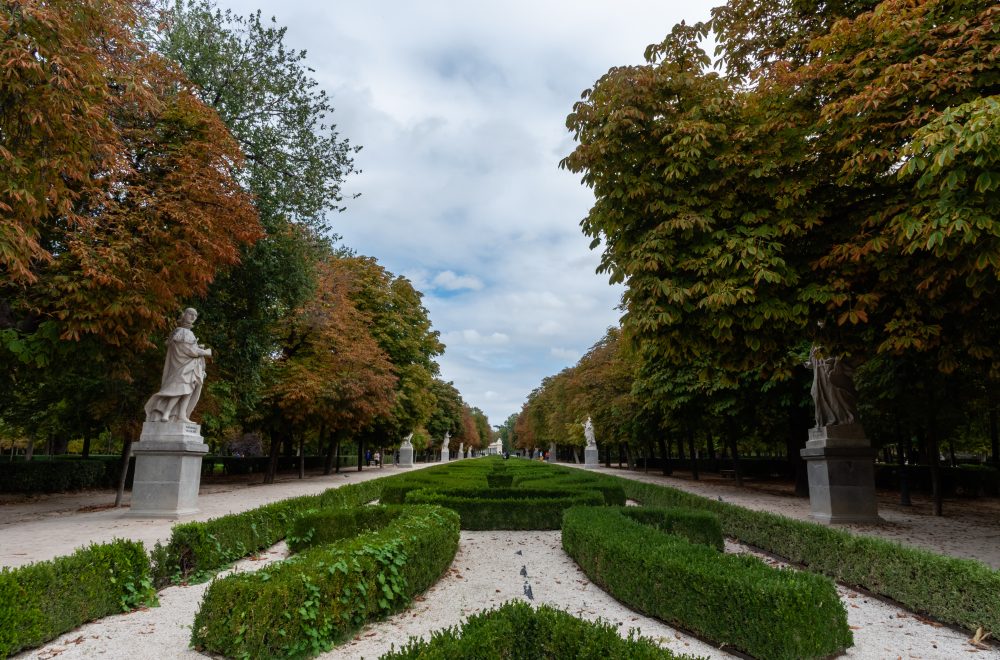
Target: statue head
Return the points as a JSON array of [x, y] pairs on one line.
[[188, 317]]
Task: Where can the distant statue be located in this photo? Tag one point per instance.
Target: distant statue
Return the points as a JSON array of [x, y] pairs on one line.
[[408, 440], [588, 432], [447, 438], [832, 390], [183, 375]]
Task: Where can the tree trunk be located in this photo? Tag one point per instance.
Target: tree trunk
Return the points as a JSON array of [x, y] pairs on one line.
[[735, 452], [361, 452], [798, 433], [903, 449], [30, 449], [336, 454], [272, 464], [86, 446], [621, 454], [664, 456], [951, 453], [607, 456], [694, 461], [123, 470], [629, 459], [711, 447], [680, 450], [933, 456], [994, 436], [302, 456], [327, 440]]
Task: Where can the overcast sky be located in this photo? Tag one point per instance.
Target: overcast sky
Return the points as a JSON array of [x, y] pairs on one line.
[[460, 108]]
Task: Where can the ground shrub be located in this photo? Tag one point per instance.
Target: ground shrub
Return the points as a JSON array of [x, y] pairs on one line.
[[301, 606], [201, 547], [695, 526], [735, 600], [324, 526], [508, 508], [956, 591], [41, 601], [51, 476], [517, 630]]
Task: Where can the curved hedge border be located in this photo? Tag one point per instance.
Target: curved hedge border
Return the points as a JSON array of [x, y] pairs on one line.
[[41, 601], [301, 606], [202, 547], [516, 630], [735, 600], [956, 591], [508, 508]]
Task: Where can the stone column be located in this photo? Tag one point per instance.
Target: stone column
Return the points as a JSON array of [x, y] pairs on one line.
[[167, 470], [841, 467], [406, 454], [590, 457]]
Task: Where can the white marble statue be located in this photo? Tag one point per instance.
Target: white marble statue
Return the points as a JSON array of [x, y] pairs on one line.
[[588, 432], [408, 440], [447, 438], [183, 375]]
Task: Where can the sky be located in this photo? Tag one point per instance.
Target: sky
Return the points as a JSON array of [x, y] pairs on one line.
[[460, 109]]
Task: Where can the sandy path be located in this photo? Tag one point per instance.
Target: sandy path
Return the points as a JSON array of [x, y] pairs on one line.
[[25, 538]]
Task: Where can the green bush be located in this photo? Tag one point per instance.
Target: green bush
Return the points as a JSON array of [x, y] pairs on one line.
[[695, 526], [956, 591], [507, 508], [301, 606], [52, 476], [201, 547], [328, 525], [517, 630], [500, 480], [41, 601], [735, 600]]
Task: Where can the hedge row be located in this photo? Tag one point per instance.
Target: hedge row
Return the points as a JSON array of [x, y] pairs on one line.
[[301, 606], [733, 600], [508, 508], [956, 591], [200, 547], [324, 526], [517, 630], [55, 476], [41, 601]]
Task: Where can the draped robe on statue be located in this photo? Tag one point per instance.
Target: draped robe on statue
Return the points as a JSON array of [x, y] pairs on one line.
[[183, 375]]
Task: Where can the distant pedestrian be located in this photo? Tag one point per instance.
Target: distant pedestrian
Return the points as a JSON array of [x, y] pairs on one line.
[[378, 459], [368, 457]]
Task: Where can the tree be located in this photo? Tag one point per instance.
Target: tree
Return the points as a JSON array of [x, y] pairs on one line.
[[296, 163], [332, 377]]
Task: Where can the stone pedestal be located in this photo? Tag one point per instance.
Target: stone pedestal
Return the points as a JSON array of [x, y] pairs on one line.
[[590, 458], [406, 455], [552, 452], [445, 454], [841, 467], [167, 470]]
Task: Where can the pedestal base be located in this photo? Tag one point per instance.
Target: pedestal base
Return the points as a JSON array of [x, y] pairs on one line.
[[167, 470], [406, 456], [590, 458], [841, 469], [445, 455]]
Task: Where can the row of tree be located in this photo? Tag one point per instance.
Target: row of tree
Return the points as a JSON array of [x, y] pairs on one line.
[[155, 157], [833, 181]]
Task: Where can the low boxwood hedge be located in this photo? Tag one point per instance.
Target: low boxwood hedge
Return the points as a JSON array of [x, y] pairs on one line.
[[202, 547], [696, 526], [51, 476], [956, 591], [41, 601], [320, 527], [301, 606], [517, 630], [508, 508], [735, 600]]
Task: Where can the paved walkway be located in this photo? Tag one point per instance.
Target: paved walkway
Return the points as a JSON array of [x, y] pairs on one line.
[[56, 525], [969, 528]]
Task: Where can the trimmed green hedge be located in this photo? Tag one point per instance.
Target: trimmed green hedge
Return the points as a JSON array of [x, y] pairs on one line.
[[201, 547], [516, 630], [52, 476], [735, 600], [508, 508], [301, 606], [696, 526], [956, 591], [41, 601], [325, 526]]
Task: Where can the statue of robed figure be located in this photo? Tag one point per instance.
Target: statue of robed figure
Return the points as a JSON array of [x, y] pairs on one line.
[[183, 375], [832, 390]]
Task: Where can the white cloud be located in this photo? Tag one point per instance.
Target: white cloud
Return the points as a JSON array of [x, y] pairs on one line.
[[567, 354], [461, 110], [450, 281]]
